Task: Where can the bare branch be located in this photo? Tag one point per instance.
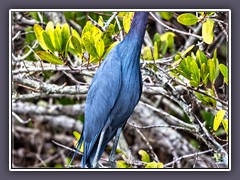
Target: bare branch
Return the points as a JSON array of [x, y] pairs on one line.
[[50, 88]]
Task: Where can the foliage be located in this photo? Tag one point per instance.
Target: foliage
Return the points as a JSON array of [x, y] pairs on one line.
[[145, 159], [199, 71], [162, 44], [218, 119], [189, 19], [166, 15]]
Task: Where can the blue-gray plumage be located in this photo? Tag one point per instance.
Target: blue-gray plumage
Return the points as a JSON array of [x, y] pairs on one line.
[[113, 94]]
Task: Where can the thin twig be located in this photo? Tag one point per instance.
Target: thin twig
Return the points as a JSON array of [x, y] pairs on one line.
[[192, 88], [187, 156], [20, 119], [171, 118], [175, 30], [119, 27], [149, 145], [16, 35], [162, 126], [110, 20], [66, 147], [27, 54], [96, 24]]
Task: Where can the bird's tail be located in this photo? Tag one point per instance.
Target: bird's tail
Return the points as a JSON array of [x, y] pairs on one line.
[[85, 157], [79, 144]]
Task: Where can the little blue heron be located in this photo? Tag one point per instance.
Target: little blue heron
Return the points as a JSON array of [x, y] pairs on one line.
[[113, 94]]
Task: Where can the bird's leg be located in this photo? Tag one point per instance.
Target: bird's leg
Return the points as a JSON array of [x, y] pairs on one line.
[[112, 156], [95, 160]]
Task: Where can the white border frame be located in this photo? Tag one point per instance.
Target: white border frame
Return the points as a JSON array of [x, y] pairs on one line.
[[114, 10]]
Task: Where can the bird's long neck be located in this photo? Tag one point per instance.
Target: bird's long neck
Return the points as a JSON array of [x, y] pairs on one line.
[[132, 44], [138, 27]]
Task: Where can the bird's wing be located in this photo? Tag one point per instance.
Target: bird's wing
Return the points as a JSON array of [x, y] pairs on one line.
[[102, 95]]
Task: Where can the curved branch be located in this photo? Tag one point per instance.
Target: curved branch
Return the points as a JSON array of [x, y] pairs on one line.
[[175, 30]]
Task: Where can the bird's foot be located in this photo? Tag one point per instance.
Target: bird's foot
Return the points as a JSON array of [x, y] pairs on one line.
[[112, 162], [95, 165]]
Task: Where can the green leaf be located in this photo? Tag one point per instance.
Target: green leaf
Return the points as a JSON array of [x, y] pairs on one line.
[[123, 164], [75, 33], [35, 16], [195, 73], [184, 67], [100, 21], [216, 63], [166, 15], [187, 19], [57, 40], [201, 13], [110, 48], [87, 27], [71, 47], [167, 40], [224, 71], [178, 56], [165, 36], [67, 48], [187, 50], [76, 44], [96, 32], [58, 166], [218, 119], [144, 156], [209, 13], [155, 51], [207, 31], [211, 68], [154, 165], [77, 135], [122, 14], [38, 33], [49, 26], [164, 47], [50, 30], [195, 144], [29, 37], [127, 19], [201, 58], [94, 59], [157, 37], [65, 33], [204, 73], [89, 44], [48, 41], [206, 99], [194, 83], [147, 53], [51, 58], [225, 125], [208, 119], [99, 44], [171, 42], [107, 35]]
